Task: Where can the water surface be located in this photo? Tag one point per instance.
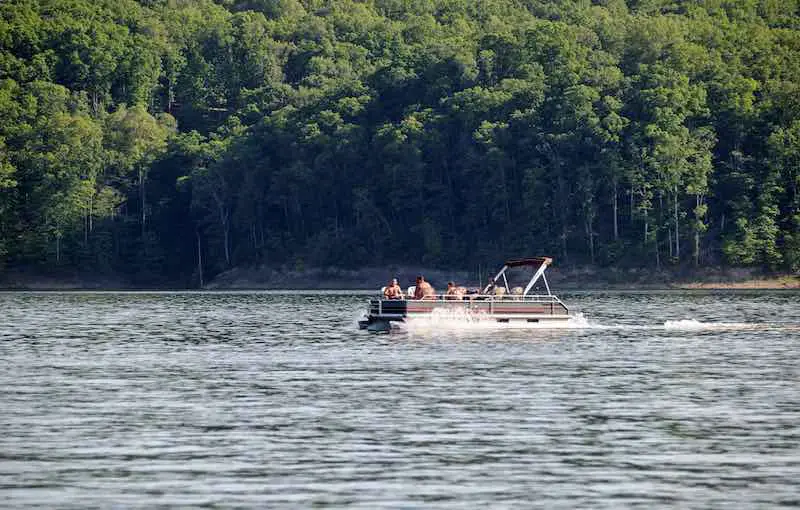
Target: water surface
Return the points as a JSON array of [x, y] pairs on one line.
[[141, 400]]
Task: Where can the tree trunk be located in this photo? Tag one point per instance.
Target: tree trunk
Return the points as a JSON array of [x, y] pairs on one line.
[[630, 214], [170, 95], [698, 203], [658, 253], [506, 205], [616, 224], [142, 200], [661, 222], [562, 212], [225, 224], [223, 219], [226, 234], [199, 257], [677, 231]]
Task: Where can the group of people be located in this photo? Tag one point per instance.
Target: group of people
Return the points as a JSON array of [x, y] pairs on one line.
[[423, 290]]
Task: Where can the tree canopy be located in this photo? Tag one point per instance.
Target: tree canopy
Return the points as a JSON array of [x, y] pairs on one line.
[[139, 136]]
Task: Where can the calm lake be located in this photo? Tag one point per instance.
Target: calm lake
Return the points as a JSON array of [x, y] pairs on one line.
[[267, 399]]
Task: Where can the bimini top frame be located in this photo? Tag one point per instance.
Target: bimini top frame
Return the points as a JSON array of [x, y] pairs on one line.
[[540, 262]]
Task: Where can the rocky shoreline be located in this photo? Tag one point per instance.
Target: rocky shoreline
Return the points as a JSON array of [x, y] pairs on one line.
[[575, 278], [370, 278]]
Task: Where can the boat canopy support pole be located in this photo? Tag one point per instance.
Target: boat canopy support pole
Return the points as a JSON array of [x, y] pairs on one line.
[[496, 277], [539, 274]]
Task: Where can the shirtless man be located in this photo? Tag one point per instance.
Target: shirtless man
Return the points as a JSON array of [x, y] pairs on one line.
[[393, 290], [454, 291], [424, 289]]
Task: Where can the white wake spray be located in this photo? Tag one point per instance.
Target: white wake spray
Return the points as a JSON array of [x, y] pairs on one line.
[[444, 319], [459, 320]]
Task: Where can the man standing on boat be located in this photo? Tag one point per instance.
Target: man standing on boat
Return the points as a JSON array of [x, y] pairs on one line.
[[424, 289]]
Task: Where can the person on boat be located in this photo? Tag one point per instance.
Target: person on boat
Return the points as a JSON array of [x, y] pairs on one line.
[[490, 286], [393, 290], [424, 289], [454, 292], [451, 291]]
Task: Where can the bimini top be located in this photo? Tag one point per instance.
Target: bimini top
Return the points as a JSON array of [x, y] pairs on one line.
[[532, 261]]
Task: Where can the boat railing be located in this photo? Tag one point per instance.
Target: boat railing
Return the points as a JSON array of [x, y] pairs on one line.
[[376, 304], [537, 298]]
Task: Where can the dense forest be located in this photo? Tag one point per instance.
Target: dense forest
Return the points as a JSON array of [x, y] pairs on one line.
[[167, 140]]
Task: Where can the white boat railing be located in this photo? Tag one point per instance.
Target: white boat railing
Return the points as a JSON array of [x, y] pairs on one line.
[[491, 299], [538, 298]]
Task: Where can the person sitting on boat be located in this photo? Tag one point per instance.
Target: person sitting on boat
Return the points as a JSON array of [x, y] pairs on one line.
[[489, 289], [451, 291], [424, 289], [454, 292], [393, 290]]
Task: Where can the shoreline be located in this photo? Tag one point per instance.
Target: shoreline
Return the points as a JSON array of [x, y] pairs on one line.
[[560, 279], [776, 283]]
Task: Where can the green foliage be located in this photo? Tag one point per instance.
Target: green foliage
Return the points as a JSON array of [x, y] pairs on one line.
[[441, 132]]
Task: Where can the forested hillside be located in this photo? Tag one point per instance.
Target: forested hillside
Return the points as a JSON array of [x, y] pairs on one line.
[[137, 136]]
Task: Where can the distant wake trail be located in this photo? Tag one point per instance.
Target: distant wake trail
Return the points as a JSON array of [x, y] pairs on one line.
[[462, 322]]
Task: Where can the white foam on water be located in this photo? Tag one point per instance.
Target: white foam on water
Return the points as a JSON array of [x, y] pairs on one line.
[[695, 325], [579, 321], [460, 320]]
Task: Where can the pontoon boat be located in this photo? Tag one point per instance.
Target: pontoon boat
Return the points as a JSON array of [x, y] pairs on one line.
[[496, 302]]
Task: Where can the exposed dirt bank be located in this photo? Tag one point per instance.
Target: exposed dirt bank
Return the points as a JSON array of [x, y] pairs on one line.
[[36, 280], [785, 282], [331, 278], [370, 278], [574, 278]]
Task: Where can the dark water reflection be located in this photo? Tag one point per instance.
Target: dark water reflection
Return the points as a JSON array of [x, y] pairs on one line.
[[277, 400]]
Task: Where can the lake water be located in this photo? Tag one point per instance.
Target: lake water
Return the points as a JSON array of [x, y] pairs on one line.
[[141, 400]]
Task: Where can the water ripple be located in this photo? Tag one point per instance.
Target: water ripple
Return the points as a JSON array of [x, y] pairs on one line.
[[142, 400]]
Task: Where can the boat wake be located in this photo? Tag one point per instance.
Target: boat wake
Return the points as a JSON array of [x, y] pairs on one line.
[[676, 325], [459, 320], [449, 320], [695, 325]]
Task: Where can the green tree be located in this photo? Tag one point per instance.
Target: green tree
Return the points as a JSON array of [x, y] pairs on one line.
[[135, 139]]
